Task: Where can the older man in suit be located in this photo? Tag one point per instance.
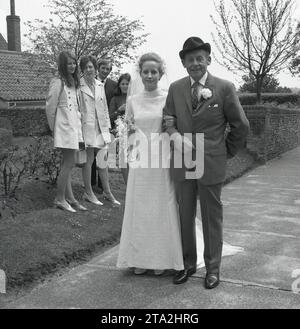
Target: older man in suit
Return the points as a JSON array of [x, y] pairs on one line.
[[202, 103]]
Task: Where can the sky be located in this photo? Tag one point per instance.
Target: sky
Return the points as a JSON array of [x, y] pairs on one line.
[[169, 22]]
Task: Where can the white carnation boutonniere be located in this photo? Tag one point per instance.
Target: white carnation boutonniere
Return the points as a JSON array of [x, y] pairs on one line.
[[206, 93]]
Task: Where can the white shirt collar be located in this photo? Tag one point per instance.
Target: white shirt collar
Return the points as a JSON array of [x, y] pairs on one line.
[[102, 80], [202, 80]]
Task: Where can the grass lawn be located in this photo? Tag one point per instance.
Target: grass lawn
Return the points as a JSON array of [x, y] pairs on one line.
[[37, 240]]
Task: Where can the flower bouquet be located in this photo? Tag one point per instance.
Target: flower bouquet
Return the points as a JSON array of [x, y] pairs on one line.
[[125, 126]]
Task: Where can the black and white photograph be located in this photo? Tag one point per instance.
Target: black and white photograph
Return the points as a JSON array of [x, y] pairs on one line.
[[149, 157]]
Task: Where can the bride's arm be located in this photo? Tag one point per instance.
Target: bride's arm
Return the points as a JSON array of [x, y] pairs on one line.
[[169, 115]]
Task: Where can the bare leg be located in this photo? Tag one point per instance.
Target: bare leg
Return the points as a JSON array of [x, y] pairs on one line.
[[69, 190], [103, 170], [86, 172], [67, 165], [103, 173], [70, 196], [86, 175]]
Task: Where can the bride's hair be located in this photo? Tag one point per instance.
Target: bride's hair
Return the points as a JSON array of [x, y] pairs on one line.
[[155, 58]]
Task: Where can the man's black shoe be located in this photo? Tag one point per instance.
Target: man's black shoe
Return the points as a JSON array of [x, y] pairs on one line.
[[182, 276], [212, 280]]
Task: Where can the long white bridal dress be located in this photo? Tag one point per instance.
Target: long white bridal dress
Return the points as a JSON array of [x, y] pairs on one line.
[[150, 237]]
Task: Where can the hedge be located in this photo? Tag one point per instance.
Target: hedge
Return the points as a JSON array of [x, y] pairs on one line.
[[250, 99]]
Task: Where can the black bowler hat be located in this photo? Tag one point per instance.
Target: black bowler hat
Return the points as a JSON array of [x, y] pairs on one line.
[[194, 43]]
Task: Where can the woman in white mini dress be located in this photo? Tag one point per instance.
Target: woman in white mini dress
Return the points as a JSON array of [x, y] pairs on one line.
[[64, 118], [96, 128]]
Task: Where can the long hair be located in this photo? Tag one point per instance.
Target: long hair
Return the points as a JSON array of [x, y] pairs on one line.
[[125, 76], [63, 69]]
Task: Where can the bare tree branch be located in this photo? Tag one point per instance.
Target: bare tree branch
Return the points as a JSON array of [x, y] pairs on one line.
[[85, 27], [265, 40]]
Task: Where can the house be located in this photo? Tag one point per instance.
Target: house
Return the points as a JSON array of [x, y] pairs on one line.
[[23, 76], [3, 43], [24, 80]]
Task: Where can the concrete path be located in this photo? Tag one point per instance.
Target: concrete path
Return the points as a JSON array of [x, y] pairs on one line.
[[261, 214]]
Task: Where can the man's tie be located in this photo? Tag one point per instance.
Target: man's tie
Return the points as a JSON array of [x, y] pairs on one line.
[[195, 99]]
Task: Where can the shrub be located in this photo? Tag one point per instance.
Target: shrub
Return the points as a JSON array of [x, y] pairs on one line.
[[13, 167], [39, 158], [34, 153], [276, 99], [50, 159]]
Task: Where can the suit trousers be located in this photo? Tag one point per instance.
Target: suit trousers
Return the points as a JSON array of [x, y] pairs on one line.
[[212, 222]]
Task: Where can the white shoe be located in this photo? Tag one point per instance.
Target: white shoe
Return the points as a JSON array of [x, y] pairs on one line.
[[111, 198], [159, 272], [63, 206], [76, 205], [90, 199]]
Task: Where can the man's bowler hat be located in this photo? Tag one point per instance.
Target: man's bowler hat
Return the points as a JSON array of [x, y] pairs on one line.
[[194, 43]]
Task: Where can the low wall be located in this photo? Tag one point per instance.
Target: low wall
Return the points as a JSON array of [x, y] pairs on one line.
[[27, 121], [273, 130]]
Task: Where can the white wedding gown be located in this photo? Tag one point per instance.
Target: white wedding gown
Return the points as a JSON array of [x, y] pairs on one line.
[[228, 250], [151, 237]]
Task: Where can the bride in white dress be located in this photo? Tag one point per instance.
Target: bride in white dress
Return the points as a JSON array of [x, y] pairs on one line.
[[151, 237]]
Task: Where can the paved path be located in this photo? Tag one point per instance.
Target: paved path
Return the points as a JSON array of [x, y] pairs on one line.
[[261, 214]]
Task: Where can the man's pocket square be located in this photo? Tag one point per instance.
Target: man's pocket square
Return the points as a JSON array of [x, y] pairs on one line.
[[215, 106]]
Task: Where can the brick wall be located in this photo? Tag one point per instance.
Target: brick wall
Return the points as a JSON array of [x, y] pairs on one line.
[[27, 121], [273, 131]]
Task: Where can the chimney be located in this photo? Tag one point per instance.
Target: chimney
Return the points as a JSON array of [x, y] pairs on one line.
[[13, 29]]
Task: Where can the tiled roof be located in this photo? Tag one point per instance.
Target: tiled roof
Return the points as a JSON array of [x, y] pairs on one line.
[[3, 43], [22, 76]]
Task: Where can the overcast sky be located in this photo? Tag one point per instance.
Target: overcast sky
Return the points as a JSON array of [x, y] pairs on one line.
[[169, 22]]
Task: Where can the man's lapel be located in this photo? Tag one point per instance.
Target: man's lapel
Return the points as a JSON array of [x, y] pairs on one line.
[[210, 84], [187, 93]]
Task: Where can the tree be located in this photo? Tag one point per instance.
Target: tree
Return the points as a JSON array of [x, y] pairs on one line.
[[295, 62], [256, 37], [85, 27], [270, 84], [284, 90]]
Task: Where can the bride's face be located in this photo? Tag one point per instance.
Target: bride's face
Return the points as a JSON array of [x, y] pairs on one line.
[[150, 75]]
